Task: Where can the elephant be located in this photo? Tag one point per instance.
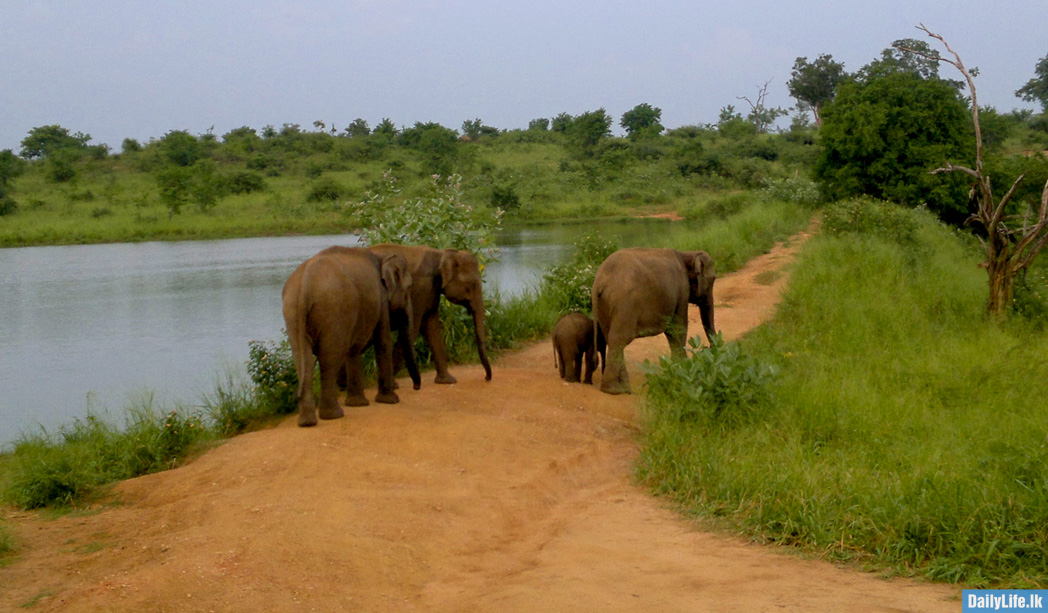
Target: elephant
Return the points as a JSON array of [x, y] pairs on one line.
[[643, 292], [335, 305], [572, 339], [453, 273]]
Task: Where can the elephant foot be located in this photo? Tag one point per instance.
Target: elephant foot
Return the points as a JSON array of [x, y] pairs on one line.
[[331, 412], [305, 420], [356, 400], [445, 379], [389, 397], [571, 379], [615, 387]]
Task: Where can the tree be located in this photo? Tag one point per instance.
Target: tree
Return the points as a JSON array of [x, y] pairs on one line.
[[437, 146], [760, 116], [11, 166], [881, 137], [180, 148], [813, 85], [45, 140], [642, 121], [562, 123], [1012, 241], [588, 130], [1036, 89], [538, 125], [358, 129]]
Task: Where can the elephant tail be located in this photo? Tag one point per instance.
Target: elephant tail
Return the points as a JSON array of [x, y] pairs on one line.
[[600, 343], [555, 361]]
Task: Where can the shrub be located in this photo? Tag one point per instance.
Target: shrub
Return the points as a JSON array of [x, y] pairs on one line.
[[8, 206], [568, 285], [872, 217], [793, 190], [272, 370], [245, 182], [719, 384], [440, 218], [325, 190]]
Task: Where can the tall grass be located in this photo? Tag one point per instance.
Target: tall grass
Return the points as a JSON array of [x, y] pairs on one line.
[[906, 431]]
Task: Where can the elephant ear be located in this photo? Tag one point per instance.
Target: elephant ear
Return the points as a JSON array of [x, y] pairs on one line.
[[448, 264], [702, 264], [394, 268]]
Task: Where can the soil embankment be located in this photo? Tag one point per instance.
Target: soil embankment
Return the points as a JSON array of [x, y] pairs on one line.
[[509, 495]]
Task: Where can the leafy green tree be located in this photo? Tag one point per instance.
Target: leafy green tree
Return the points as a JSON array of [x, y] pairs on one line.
[[358, 129], [180, 148], [1036, 89], [437, 146], [60, 165], [130, 145], [45, 140], [588, 130], [642, 121], [538, 125], [907, 55], [883, 136], [11, 166], [562, 123], [814, 84]]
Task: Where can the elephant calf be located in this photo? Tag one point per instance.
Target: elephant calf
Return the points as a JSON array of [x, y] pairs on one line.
[[336, 304], [643, 292], [572, 341]]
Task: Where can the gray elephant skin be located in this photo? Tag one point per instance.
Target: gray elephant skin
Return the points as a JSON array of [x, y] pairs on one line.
[[573, 346], [643, 292], [335, 305], [453, 273]]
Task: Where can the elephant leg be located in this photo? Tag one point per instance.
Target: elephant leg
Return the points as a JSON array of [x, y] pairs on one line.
[[434, 335], [305, 364], [591, 365], [383, 343], [330, 365], [616, 380], [559, 359], [677, 334], [574, 368], [355, 382]]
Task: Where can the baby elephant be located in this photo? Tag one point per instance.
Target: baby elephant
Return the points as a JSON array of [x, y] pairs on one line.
[[573, 339]]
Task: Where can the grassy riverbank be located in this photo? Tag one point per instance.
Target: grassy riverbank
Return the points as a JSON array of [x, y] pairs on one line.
[[903, 430]]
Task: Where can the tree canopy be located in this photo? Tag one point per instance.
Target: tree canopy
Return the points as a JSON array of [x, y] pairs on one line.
[[45, 140], [1036, 89], [883, 136], [642, 120], [814, 84]]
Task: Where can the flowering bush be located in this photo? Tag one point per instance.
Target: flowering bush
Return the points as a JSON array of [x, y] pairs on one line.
[[273, 371], [439, 218]]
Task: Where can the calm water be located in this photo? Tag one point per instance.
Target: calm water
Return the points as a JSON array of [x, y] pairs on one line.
[[97, 327]]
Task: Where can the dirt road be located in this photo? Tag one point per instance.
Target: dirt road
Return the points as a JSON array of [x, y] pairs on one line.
[[513, 495]]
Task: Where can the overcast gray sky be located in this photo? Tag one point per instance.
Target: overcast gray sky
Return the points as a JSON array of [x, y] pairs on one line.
[[129, 68]]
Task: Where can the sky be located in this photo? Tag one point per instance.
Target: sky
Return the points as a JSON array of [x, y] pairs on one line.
[[121, 69]]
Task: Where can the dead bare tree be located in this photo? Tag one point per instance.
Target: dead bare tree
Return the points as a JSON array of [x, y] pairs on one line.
[[760, 116], [1012, 241]]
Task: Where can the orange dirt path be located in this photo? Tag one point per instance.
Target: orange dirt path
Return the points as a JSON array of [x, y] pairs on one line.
[[509, 495]]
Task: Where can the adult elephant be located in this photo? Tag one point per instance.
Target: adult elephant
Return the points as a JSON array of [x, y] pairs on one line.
[[453, 273], [335, 305], [643, 292]]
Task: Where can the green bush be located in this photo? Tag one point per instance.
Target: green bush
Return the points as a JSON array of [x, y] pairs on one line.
[[794, 190], [716, 385], [325, 189], [567, 286], [246, 182], [272, 369]]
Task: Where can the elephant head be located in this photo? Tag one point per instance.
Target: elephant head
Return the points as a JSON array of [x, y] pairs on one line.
[[701, 276], [397, 281], [461, 285]]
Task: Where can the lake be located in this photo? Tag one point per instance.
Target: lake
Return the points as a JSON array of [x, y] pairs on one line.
[[96, 327]]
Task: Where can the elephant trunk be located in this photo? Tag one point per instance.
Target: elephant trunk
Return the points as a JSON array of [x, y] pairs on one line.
[[706, 313], [476, 309]]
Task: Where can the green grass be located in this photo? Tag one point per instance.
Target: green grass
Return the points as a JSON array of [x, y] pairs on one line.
[[905, 432]]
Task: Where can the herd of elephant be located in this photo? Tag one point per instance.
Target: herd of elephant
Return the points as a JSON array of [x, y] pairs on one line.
[[344, 299]]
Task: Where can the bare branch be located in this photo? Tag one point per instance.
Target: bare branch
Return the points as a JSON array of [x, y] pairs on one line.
[[951, 167]]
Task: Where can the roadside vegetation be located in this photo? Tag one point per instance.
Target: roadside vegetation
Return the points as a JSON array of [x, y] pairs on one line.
[[881, 418]]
